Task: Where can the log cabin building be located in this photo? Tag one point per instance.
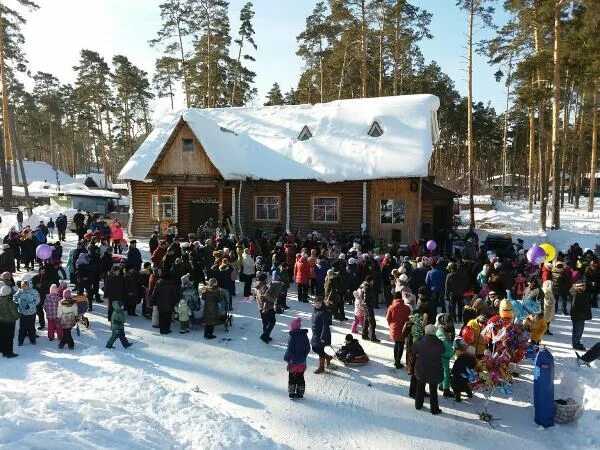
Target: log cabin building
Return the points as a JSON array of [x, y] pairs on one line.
[[348, 165]]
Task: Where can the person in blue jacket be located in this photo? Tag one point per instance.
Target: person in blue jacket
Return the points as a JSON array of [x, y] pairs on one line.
[[297, 350], [435, 280], [321, 333], [321, 269], [27, 300]]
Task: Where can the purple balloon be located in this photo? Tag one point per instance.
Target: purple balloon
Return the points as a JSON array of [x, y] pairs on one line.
[[536, 255], [431, 245], [43, 252]]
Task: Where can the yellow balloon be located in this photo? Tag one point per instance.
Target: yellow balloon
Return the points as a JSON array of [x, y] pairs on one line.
[[550, 251]]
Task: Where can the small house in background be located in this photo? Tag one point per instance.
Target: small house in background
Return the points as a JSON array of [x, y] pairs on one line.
[[95, 200], [349, 166], [94, 180]]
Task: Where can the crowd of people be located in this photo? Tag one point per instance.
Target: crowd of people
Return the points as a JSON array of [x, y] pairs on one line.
[[429, 299]]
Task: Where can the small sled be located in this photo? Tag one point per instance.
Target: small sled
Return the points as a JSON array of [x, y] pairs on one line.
[[354, 362]]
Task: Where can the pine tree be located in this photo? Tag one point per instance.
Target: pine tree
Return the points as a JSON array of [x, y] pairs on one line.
[[46, 94], [11, 57], [245, 35], [166, 74], [474, 8], [274, 96], [177, 26]]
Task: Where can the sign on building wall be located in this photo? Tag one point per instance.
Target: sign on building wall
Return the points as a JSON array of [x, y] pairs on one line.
[[392, 211]]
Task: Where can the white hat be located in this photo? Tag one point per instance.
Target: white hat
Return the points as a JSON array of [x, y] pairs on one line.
[[342, 256], [403, 278], [5, 290]]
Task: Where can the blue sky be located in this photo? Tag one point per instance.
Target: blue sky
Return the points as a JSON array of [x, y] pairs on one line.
[[57, 32]]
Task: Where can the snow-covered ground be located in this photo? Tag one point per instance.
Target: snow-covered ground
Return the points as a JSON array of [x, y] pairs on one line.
[[182, 392], [577, 225]]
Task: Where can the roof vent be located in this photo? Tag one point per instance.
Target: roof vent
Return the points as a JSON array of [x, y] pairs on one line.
[[375, 130], [227, 130], [305, 134]]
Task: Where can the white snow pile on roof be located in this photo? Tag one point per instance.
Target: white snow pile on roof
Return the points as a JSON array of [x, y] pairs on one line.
[[262, 142], [40, 189], [40, 171]]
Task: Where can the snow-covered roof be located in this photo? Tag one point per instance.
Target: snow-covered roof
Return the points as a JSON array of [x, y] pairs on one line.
[[39, 189], [40, 171], [262, 142]]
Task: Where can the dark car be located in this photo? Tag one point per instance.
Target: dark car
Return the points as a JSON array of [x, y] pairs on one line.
[[501, 244]]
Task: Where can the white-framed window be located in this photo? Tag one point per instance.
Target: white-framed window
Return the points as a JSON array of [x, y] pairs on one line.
[[267, 207], [392, 211], [167, 207], [375, 130], [325, 209]]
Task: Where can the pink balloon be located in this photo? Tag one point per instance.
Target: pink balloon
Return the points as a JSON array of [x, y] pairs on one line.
[[43, 252], [431, 245]]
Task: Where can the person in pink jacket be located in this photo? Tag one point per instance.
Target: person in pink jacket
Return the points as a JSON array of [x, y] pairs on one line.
[[116, 235], [302, 277], [51, 307]]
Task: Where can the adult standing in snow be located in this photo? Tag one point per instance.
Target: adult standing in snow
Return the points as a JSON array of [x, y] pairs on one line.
[[581, 310], [116, 236], [61, 227], [134, 257], [165, 296], [79, 221], [211, 296], [8, 318], [321, 333], [435, 281], [397, 316], [302, 277], [266, 305], [247, 272], [428, 368], [20, 220], [368, 332]]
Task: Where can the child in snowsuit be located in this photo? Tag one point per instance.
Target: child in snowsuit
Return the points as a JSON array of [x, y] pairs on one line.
[[537, 326], [359, 310], [51, 308], [444, 335], [67, 318], [297, 350], [184, 312], [352, 352], [465, 360], [27, 300], [117, 325]]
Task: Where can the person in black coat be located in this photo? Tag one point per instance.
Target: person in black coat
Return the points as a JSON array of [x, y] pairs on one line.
[[61, 227], [428, 368], [134, 257], [581, 310], [351, 351], [165, 296], [464, 362], [133, 289], [321, 333], [114, 288], [153, 243], [368, 333]]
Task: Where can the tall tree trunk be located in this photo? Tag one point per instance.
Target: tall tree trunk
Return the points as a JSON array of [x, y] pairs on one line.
[[363, 62], [186, 85], [5, 170], [577, 172], [19, 158], [594, 156], [505, 132], [543, 182], [470, 143], [531, 159], [237, 72], [556, 157], [381, 26]]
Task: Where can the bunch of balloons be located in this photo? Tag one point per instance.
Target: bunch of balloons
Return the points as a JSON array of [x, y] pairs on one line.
[[542, 253]]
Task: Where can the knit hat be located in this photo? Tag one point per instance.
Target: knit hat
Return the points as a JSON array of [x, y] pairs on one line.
[[430, 330], [295, 323], [67, 294], [185, 279], [460, 344], [342, 256], [349, 338], [212, 282], [6, 276], [497, 265], [5, 290], [403, 278], [54, 289]]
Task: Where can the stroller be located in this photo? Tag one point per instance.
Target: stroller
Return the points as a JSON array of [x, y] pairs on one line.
[[82, 307], [225, 316]]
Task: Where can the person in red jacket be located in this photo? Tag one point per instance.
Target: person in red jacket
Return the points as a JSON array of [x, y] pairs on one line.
[[546, 272], [397, 315], [159, 254], [302, 277]]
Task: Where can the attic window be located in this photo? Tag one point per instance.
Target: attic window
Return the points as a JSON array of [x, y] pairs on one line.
[[305, 134], [187, 145], [375, 130]]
